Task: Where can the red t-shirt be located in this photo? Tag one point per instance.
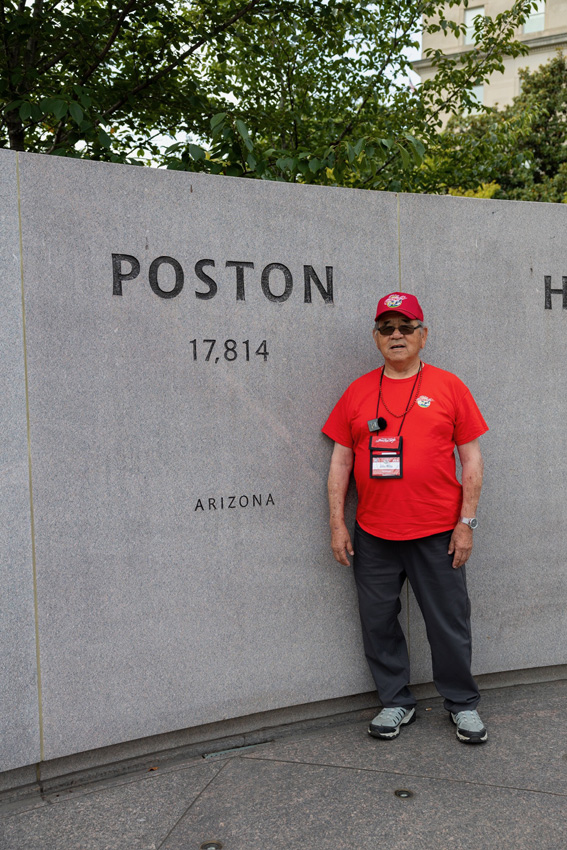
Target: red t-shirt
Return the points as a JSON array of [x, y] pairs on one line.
[[427, 499]]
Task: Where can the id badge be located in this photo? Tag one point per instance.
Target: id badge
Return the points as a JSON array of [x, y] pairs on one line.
[[386, 457]]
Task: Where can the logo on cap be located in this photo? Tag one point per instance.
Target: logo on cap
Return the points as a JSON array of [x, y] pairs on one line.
[[395, 300]]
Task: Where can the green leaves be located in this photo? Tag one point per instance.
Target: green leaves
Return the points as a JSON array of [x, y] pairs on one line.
[[416, 149], [54, 106], [406, 161], [518, 152], [217, 120], [104, 139], [295, 90], [76, 113], [287, 164], [244, 134], [196, 152], [25, 111]]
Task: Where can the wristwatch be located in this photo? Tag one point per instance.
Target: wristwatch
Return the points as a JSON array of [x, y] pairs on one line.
[[472, 522]]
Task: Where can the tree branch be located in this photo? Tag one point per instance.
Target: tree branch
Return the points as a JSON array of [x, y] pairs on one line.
[[69, 48], [3, 22], [370, 90], [12, 56], [181, 58], [58, 136], [31, 47], [110, 41]]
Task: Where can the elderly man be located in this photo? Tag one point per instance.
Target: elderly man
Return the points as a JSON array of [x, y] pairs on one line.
[[399, 425]]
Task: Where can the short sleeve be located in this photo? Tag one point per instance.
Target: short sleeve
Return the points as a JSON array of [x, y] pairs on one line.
[[337, 426], [469, 424]]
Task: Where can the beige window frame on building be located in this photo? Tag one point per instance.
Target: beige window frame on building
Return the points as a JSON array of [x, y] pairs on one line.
[[470, 16], [544, 33], [536, 20], [478, 93]]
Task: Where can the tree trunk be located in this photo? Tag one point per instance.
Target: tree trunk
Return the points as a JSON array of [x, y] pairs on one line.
[[15, 131]]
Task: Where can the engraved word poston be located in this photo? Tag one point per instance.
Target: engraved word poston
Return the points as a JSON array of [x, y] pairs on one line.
[[276, 279]]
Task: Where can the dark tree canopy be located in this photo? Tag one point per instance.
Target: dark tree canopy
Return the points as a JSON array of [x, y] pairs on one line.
[[514, 153], [279, 89]]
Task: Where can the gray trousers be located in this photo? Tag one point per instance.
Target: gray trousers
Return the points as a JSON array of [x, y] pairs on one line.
[[380, 569]]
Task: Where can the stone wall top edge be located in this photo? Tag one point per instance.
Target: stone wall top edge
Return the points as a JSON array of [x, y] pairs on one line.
[[267, 185], [490, 202], [193, 176]]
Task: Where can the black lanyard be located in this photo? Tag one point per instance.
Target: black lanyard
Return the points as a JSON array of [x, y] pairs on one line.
[[409, 405]]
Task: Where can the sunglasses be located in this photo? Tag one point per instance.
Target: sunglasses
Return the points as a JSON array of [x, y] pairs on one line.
[[405, 330]]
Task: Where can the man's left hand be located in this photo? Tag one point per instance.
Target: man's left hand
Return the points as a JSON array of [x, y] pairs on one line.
[[461, 544]]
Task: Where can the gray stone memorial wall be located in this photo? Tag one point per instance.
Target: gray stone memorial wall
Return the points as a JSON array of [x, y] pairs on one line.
[[171, 345]]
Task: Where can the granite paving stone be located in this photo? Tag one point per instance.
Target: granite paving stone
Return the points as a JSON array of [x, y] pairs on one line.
[[526, 747], [132, 814], [333, 788], [253, 805]]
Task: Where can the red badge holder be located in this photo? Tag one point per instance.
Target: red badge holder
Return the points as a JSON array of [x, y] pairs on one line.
[[386, 457]]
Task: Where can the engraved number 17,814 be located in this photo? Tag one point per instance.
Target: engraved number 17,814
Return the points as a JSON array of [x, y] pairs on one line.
[[228, 349]]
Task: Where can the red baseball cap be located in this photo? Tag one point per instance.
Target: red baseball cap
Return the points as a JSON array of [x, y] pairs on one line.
[[401, 302]]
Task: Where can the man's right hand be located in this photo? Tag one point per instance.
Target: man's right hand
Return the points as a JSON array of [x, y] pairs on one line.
[[339, 475], [341, 545]]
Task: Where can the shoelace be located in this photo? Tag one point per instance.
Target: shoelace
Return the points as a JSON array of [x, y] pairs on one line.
[[469, 719], [392, 715]]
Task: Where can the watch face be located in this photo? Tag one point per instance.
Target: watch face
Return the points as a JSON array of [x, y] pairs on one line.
[[473, 523]]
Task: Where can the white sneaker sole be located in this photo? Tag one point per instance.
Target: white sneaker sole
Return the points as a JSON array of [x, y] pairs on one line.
[[467, 740]]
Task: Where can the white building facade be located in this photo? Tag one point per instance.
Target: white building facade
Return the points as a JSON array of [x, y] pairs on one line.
[[545, 32]]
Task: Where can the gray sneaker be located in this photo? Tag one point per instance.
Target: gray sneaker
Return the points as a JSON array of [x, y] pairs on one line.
[[470, 728], [386, 725]]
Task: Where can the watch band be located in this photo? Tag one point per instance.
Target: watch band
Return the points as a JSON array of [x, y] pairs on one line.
[[472, 522]]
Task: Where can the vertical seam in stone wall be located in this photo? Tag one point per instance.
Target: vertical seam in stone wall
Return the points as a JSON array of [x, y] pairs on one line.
[[399, 247], [32, 526], [400, 288]]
